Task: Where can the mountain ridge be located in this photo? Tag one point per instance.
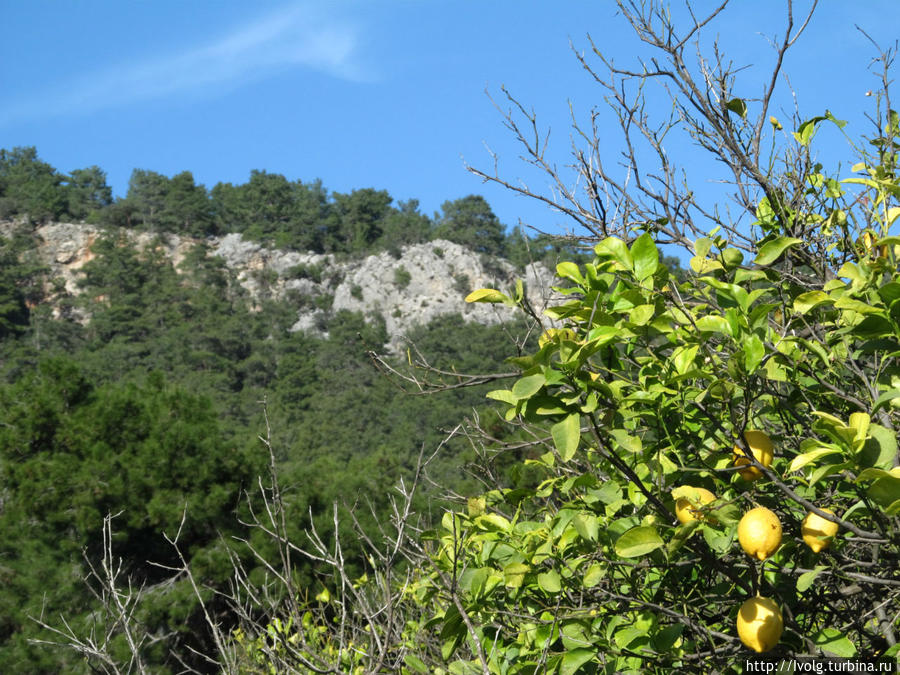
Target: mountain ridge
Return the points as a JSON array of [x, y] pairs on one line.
[[408, 287]]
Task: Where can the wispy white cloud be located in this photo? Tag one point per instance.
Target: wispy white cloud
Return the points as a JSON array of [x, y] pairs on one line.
[[296, 36]]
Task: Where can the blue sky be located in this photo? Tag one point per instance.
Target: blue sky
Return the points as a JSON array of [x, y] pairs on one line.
[[387, 94]]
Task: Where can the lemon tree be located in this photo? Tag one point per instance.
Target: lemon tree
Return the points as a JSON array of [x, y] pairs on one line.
[[692, 439], [612, 555]]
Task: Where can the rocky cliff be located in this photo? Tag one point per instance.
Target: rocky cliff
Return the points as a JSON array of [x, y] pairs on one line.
[[423, 282]]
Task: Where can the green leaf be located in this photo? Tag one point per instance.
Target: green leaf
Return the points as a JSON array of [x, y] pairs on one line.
[[807, 130], [682, 534], [645, 256], [891, 290], [528, 386], [737, 106], [474, 580], [810, 457], [859, 422], [717, 540], [415, 664], [772, 250], [547, 405], [885, 491], [701, 265], [492, 521], [880, 448], [638, 541], [874, 326], [569, 270], [629, 442], [852, 305], [574, 659], [827, 470], [713, 323], [514, 574], [520, 291], [806, 579], [587, 525], [702, 247], [683, 358], [807, 301], [549, 582], [627, 635], [641, 315], [615, 248], [665, 639], [566, 436], [593, 576], [732, 257], [602, 335], [872, 474], [754, 351], [831, 118], [834, 642], [504, 395], [488, 295], [452, 632]]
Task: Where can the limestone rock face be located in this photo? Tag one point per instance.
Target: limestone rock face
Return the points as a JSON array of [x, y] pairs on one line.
[[424, 282], [428, 280]]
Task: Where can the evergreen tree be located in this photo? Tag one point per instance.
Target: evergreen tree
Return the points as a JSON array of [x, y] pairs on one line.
[[87, 193], [29, 186], [360, 224], [71, 453], [471, 222]]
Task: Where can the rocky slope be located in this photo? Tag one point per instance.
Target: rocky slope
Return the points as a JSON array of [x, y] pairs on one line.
[[426, 280]]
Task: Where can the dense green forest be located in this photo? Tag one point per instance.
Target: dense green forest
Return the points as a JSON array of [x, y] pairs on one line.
[[268, 207], [152, 410]]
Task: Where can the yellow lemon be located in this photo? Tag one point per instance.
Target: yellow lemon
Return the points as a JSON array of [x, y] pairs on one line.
[[759, 533], [818, 532], [759, 624], [686, 507], [761, 447]]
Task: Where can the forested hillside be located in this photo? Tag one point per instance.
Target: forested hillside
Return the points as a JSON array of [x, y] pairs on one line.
[[657, 471], [141, 392]]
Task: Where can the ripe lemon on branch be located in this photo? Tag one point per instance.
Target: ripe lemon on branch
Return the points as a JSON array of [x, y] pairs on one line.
[[688, 499], [818, 532], [759, 623], [759, 533], [763, 451]]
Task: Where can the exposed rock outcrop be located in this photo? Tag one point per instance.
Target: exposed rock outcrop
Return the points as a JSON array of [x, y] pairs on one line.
[[424, 282]]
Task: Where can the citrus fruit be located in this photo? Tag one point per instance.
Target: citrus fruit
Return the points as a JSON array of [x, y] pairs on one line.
[[761, 447], [818, 532], [686, 507], [759, 533], [759, 623]]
